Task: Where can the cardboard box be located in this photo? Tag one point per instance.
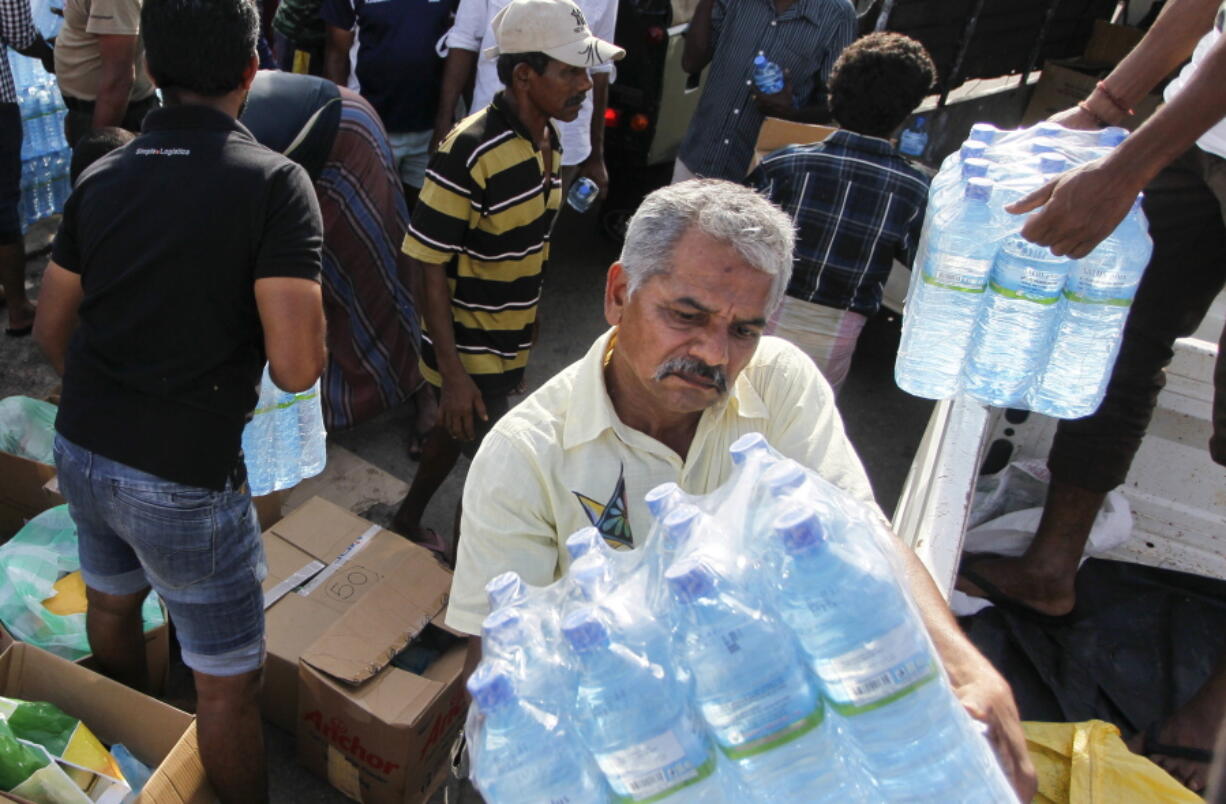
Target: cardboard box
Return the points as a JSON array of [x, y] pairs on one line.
[[776, 133], [1064, 82], [342, 598], [157, 734], [22, 495]]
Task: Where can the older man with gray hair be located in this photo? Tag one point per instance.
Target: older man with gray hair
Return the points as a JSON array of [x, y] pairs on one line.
[[683, 372]]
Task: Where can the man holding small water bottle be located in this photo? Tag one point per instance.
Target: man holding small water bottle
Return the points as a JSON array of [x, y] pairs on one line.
[[480, 231]]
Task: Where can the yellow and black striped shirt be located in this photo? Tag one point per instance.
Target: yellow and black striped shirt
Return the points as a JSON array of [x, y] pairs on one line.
[[485, 211]]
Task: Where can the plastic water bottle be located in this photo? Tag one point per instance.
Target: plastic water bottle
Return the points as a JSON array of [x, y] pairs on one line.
[[1016, 324], [878, 670], [635, 720], [914, 141], [949, 190], [260, 441], [767, 76], [751, 685], [526, 640], [1097, 296], [526, 754], [582, 194], [314, 438], [946, 294]]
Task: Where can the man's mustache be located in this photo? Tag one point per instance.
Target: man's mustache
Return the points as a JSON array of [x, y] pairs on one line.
[[577, 100], [695, 367]]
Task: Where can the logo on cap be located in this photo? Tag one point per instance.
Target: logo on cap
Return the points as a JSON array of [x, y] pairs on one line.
[[579, 20]]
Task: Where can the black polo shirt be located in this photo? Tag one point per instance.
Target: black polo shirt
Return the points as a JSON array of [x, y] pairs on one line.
[[169, 235]]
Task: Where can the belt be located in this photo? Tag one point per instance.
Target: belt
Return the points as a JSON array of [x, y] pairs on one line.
[[79, 105]]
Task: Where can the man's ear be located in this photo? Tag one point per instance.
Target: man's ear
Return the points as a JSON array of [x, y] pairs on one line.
[[522, 72], [616, 293], [253, 66]]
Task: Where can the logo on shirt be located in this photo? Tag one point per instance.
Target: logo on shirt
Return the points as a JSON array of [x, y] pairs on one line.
[[163, 151], [610, 517]]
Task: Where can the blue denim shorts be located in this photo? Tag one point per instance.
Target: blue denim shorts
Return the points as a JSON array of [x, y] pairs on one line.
[[199, 549]]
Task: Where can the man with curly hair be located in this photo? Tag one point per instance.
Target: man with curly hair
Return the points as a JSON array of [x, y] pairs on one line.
[[857, 204]]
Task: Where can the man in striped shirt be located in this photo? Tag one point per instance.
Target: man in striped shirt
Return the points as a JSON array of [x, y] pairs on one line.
[[857, 204], [480, 231]]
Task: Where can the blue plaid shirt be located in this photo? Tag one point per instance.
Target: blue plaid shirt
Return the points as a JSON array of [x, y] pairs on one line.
[[857, 205]]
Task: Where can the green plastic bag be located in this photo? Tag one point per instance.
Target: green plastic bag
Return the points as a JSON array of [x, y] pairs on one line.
[[18, 761], [30, 564], [27, 428]]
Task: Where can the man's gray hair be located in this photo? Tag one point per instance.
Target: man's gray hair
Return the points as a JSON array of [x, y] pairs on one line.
[[761, 232]]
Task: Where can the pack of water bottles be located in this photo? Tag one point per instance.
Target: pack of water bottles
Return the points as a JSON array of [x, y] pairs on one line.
[[998, 317], [285, 441], [758, 647], [45, 156]]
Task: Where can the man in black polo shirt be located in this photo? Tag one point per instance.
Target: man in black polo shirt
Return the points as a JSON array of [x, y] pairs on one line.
[[184, 260]]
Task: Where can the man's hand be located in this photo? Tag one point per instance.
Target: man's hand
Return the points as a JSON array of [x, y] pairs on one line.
[[594, 168], [442, 127], [780, 104], [461, 402], [1080, 208], [988, 699]]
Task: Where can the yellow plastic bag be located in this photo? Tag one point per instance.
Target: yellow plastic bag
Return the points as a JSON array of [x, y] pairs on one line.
[[69, 597], [1088, 763]]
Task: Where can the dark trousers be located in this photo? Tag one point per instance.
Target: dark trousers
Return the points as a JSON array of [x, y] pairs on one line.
[[1186, 207], [80, 118]]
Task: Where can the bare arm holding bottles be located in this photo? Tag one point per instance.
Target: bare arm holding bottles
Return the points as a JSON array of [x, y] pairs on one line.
[[1082, 207]]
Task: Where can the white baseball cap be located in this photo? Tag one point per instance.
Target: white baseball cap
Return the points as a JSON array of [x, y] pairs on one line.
[[553, 27]]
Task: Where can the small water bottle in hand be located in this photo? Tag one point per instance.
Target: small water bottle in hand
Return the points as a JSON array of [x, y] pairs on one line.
[[767, 76], [582, 194]]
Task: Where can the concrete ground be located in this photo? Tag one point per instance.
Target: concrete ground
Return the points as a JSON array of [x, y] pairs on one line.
[[883, 423]]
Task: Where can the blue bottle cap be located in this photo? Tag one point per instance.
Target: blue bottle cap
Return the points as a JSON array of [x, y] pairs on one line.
[[501, 624], [978, 189], [1052, 163], [984, 132], [1042, 145], [491, 686], [1049, 129], [747, 445], [759, 60], [589, 574], [800, 529], [784, 477], [1112, 136], [679, 524], [583, 541], [504, 589], [690, 580], [662, 498], [920, 120], [972, 149], [975, 168], [584, 630]]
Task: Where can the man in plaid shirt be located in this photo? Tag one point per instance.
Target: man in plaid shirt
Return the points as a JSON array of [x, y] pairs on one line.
[[18, 32], [857, 204]]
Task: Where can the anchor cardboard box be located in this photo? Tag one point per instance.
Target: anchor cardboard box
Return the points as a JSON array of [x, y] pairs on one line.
[[343, 598]]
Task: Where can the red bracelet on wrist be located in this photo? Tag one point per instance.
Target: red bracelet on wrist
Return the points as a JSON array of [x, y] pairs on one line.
[[1085, 107], [1115, 101]]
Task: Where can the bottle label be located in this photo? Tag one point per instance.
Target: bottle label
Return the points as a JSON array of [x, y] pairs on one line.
[[952, 272], [649, 770], [1098, 285], [1024, 281], [766, 716], [877, 673]]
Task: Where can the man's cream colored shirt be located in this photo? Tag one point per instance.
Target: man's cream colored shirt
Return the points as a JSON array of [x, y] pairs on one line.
[[562, 460]]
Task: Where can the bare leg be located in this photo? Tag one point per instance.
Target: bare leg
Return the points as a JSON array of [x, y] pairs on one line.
[[1193, 725], [116, 636], [13, 277], [1043, 576], [231, 736], [438, 457]]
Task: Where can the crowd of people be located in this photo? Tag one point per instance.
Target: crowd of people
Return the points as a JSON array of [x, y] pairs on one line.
[[354, 216]]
